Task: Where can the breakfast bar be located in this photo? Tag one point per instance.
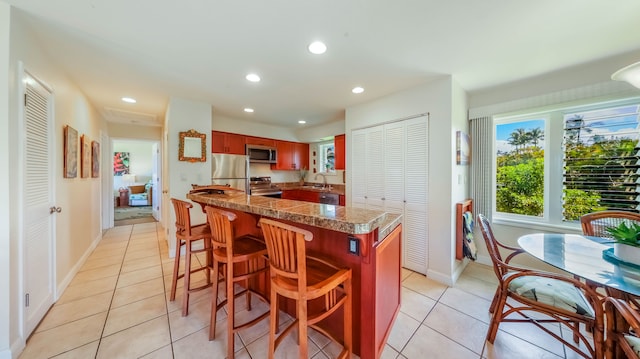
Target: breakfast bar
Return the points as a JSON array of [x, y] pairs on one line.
[[366, 241]]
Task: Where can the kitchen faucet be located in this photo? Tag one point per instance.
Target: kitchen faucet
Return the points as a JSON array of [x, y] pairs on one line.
[[324, 179]]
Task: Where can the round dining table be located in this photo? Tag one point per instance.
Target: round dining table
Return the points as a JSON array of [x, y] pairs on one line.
[[585, 257]]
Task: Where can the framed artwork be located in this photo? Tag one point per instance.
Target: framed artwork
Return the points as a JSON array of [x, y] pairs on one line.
[[85, 157], [70, 152], [463, 148], [95, 159], [120, 163]]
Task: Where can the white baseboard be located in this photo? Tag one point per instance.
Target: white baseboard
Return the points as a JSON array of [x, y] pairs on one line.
[[17, 347], [442, 278], [76, 268]]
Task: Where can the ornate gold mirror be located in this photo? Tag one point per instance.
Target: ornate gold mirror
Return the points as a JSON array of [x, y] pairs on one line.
[[192, 147]]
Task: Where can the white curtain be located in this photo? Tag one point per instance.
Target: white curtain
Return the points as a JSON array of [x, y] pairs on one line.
[[481, 164]]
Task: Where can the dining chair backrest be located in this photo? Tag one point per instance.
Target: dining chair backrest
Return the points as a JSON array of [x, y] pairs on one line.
[[500, 266], [596, 223], [286, 250], [183, 217], [221, 228]]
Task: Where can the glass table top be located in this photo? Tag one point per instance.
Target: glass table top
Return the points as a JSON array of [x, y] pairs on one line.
[[582, 256]]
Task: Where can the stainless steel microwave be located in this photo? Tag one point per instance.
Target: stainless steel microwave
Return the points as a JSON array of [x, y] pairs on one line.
[[262, 154]]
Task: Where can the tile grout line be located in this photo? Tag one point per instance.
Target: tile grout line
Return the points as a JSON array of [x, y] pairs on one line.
[[114, 294]]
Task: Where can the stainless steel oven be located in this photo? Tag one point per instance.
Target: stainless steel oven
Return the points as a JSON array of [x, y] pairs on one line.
[[262, 186]]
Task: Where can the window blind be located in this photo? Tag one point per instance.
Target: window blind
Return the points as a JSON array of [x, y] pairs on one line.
[[601, 161]]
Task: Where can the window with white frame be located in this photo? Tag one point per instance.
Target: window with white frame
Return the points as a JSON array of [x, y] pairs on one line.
[[326, 157], [554, 166]]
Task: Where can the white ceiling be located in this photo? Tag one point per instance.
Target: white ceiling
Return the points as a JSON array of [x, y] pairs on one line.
[[202, 49]]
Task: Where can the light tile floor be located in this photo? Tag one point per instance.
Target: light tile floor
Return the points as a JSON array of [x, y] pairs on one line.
[[117, 307]]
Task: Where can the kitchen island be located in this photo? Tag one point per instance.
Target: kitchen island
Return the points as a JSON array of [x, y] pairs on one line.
[[366, 241]]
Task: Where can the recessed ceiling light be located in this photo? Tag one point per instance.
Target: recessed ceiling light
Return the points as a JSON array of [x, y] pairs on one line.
[[317, 48], [357, 90], [253, 78], [302, 122], [129, 99], [248, 110]]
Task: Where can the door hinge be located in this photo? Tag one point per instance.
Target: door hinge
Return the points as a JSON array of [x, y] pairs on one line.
[[25, 100], [26, 300]]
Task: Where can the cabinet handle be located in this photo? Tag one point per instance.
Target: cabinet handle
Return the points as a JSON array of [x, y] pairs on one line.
[[383, 198]]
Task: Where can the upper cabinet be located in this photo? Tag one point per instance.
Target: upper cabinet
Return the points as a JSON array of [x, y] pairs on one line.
[[225, 142], [261, 141], [291, 156], [339, 143]]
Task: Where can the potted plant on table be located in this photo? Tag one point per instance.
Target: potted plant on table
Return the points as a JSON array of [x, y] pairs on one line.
[[627, 242]]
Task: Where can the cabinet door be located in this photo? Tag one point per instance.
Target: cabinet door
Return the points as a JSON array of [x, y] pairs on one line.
[[235, 144], [300, 155], [285, 156], [290, 194], [217, 142], [339, 145], [223, 142], [250, 140]]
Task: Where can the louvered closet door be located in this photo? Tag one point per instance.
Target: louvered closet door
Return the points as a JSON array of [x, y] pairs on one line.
[[394, 150], [415, 224], [38, 197], [358, 168], [375, 168]]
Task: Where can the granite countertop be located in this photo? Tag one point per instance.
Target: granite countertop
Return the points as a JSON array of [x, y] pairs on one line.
[[342, 219], [337, 189]]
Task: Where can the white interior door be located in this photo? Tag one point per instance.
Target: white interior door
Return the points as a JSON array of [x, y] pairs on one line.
[[38, 192], [156, 182], [416, 221], [358, 168]]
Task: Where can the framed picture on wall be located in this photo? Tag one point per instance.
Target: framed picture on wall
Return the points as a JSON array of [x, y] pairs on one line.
[[70, 152], [95, 159], [85, 157], [120, 163], [463, 148]]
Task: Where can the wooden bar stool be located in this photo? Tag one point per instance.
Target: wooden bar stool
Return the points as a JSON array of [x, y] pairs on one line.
[[301, 277], [186, 235], [244, 251]]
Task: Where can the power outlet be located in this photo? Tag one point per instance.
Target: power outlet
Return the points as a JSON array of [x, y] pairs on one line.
[[354, 246]]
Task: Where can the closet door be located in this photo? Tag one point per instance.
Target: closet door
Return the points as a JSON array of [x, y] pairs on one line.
[[375, 168], [358, 168], [394, 149], [415, 246]]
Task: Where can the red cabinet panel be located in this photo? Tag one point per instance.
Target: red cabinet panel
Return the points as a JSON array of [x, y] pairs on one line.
[[224, 142], [261, 141], [339, 144]]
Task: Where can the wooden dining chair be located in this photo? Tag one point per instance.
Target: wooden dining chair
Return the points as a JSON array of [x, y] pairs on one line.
[[560, 299], [596, 224], [297, 275], [243, 258], [623, 330], [186, 236]]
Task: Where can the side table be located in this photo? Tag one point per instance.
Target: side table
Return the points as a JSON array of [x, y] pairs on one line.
[[124, 197]]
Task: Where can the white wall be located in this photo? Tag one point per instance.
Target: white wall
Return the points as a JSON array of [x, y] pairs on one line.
[[140, 160], [181, 174], [257, 129], [436, 99], [78, 227]]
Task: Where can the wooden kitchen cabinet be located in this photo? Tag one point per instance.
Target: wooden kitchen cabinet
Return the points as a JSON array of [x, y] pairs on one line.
[[260, 141], [339, 145], [225, 142], [291, 156]]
